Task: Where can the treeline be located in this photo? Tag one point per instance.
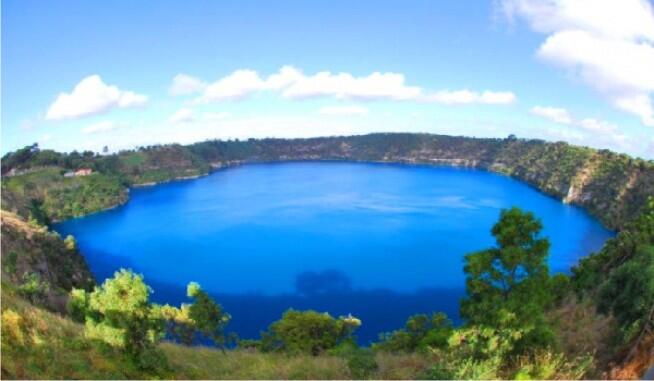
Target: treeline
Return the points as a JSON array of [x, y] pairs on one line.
[[613, 187]]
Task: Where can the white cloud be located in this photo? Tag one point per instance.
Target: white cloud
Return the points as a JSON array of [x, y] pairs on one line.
[[597, 126], [100, 127], [291, 83], [587, 131], [388, 86], [608, 44], [462, 97], [343, 110], [612, 18], [184, 84], [183, 115], [237, 85], [555, 114], [90, 97]]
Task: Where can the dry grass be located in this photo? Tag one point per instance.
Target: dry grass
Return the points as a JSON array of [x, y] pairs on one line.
[[37, 344]]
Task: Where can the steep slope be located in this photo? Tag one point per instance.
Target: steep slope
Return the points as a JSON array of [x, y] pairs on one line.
[[41, 266]]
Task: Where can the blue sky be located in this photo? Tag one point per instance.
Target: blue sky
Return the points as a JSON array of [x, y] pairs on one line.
[[84, 74]]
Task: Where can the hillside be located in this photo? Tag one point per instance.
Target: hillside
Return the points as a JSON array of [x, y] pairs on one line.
[[612, 187], [606, 308], [42, 266]]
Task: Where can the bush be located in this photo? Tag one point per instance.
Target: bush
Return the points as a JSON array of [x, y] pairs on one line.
[[32, 288], [308, 332], [362, 363], [421, 333], [119, 314]]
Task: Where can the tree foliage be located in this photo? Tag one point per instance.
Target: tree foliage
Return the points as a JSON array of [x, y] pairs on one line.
[[421, 333], [511, 278], [308, 332], [119, 313], [620, 278], [208, 316]]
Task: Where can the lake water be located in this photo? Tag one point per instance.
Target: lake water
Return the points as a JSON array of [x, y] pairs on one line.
[[379, 241]]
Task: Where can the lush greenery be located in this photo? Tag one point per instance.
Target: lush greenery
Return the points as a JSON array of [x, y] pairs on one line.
[[420, 334], [520, 321], [308, 332], [620, 281], [508, 286], [46, 195]]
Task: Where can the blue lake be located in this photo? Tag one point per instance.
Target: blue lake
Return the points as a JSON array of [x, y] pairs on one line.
[[379, 241]]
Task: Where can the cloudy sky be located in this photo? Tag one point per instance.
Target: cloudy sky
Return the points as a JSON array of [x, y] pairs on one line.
[[84, 74]]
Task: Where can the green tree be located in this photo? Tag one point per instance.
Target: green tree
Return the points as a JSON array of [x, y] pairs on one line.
[[308, 332], [620, 277], [70, 243], [179, 324], [511, 278], [628, 294], [421, 332], [118, 313], [208, 316]]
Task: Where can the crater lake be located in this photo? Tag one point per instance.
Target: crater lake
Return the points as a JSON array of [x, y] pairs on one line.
[[379, 241]]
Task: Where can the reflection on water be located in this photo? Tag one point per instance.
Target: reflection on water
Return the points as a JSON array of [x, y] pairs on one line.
[[380, 310], [311, 283]]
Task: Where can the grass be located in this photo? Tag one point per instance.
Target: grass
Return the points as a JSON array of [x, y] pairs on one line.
[[206, 363], [37, 344]]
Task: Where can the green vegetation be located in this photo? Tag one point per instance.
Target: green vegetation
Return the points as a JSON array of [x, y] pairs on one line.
[[508, 333], [46, 195], [119, 314], [420, 334], [159, 163], [42, 266], [507, 286], [208, 316], [520, 321], [308, 332], [620, 281]]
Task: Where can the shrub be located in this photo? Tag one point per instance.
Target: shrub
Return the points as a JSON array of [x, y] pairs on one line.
[[32, 288], [362, 363], [119, 314], [308, 332], [420, 333]]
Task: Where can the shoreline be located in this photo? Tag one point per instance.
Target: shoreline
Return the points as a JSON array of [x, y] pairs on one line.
[[449, 163]]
